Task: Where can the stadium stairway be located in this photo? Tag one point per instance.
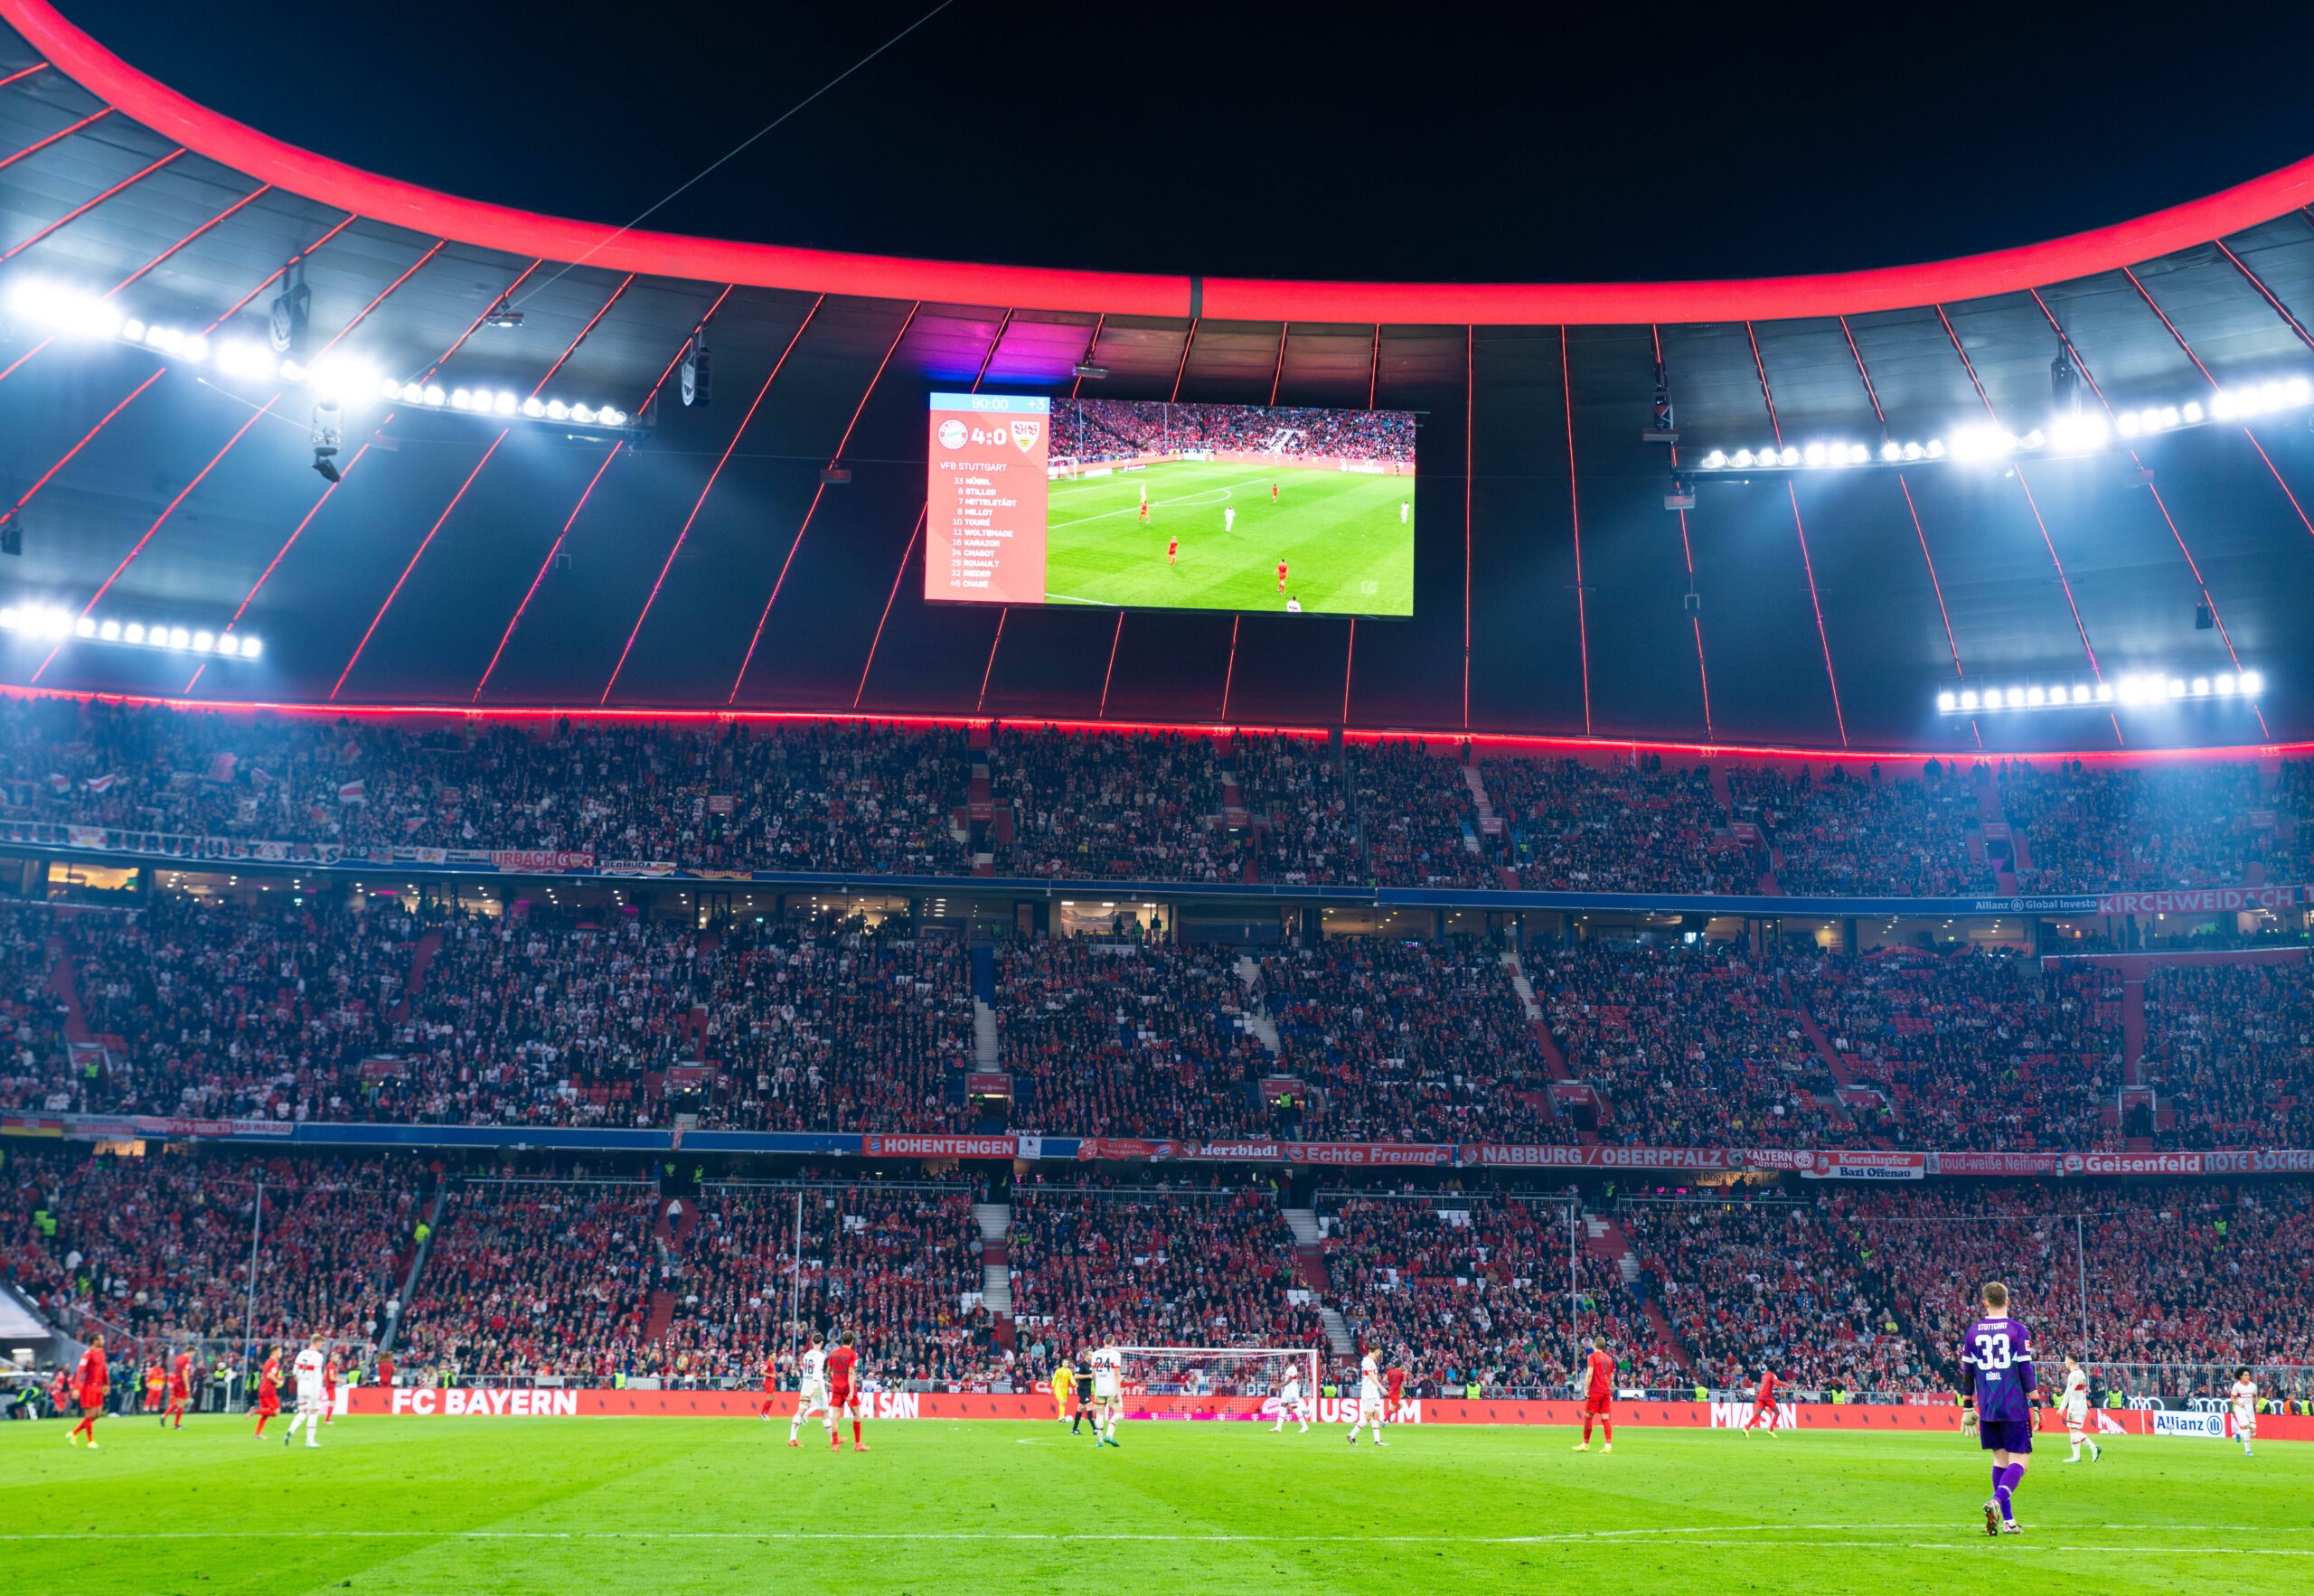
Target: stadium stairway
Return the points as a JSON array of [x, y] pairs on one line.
[[64, 986], [1310, 1269], [400, 1305], [1848, 1090], [995, 1222], [1608, 1241], [421, 958], [986, 1052], [981, 812], [1256, 1012]]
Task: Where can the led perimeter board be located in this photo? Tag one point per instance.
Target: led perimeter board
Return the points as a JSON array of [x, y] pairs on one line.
[[1144, 505]]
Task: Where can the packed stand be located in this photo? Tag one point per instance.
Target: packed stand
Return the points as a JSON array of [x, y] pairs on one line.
[[1477, 1289], [1841, 835], [1409, 1041], [2127, 829], [1418, 817], [1177, 1269], [1293, 785], [1132, 807], [1978, 1050], [2229, 1052], [37, 1069], [897, 1267], [537, 1277], [1633, 827], [1688, 1045], [160, 1247]]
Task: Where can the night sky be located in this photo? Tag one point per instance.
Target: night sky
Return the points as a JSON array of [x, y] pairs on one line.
[[1413, 142]]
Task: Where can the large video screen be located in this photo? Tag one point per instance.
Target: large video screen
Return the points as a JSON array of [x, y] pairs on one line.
[[1133, 505]]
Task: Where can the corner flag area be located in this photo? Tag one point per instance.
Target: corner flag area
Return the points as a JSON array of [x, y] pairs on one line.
[[1346, 549], [448, 1507]]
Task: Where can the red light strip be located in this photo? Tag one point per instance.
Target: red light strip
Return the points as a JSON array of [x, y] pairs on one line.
[[624, 284], [1969, 366], [1349, 661], [363, 314], [545, 566], [36, 147], [989, 669], [38, 66], [26, 497], [126, 560], [274, 275], [1278, 376], [1574, 521], [2272, 468], [548, 563], [1092, 348], [813, 508], [250, 596], [263, 188], [1373, 371], [86, 206], [2279, 309], [1687, 553], [1188, 341], [860, 691], [1807, 564], [1114, 638], [1604, 748], [414, 558], [473, 326], [1229, 677], [708, 487], [2160, 504]]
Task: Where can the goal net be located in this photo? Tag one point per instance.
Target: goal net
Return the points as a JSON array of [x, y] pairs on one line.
[[1258, 1373]]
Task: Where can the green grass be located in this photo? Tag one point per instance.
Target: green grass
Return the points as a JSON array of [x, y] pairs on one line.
[[473, 1506], [1337, 531]]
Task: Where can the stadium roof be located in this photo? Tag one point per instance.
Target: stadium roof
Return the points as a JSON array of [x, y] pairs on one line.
[[709, 566]]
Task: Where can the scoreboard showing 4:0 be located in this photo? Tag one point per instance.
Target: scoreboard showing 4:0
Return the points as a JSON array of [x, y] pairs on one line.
[[984, 515], [1130, 505]]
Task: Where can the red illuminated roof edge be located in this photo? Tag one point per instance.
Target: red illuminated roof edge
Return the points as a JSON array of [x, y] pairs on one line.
[[523, 232], [1507, 742]]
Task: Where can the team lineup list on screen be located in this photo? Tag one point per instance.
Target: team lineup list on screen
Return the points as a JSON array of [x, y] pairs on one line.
[[984, 518]]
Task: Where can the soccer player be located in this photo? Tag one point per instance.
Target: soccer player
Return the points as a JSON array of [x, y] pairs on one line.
[[811, 1392], [268, 1390], [308, 1370], [89, 1383], [1405, 507], [1064, 1385], [1598, 1372], [771, 1393], [1173, 550], [2245, 1409], [156, 1383], [1369, 1400], [1142, 515], [1273, 492], [1394, 1386], [1999, 1351], [1764, 1404], [179, 1389], [330, 1373], [1290, 1403], [1294, 607], [1084, 1398], [1108, 1393], [2073, 1402], [843, 1393], [1281, 574], [1228, 517]]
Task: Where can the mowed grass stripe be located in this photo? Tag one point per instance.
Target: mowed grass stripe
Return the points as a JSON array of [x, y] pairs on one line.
[[1339, 531], [489, 1504]]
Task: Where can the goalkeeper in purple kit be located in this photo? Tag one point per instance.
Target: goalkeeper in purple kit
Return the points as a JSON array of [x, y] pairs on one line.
[[1998, 1352]]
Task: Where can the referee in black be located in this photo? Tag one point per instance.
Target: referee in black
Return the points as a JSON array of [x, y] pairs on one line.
[[1083, 1393]]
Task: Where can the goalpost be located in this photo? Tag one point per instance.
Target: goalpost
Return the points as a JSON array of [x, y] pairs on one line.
[[1220, 1371]]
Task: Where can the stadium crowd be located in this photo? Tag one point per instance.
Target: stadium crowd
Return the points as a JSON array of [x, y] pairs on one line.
[[875, 797]]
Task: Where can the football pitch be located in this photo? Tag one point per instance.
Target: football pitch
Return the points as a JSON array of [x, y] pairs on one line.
[[1339, 532], [676, 1505]]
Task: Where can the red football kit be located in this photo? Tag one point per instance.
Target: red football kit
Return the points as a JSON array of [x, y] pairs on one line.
[[843, 1366], [1394, 1382], [179, 1389], [89, 1383], [1764, 1405], [329, 1390], [770, 1385], [1280, 576], [1598, 1398], [268, 1392]]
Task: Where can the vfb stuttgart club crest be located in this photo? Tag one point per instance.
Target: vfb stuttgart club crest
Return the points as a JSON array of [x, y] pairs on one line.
[[1024, 434]]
